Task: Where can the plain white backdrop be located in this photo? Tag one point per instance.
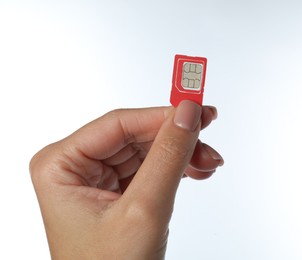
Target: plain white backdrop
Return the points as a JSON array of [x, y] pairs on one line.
[[64, 63]]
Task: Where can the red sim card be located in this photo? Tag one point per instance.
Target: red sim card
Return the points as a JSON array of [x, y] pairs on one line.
[[188, 79]]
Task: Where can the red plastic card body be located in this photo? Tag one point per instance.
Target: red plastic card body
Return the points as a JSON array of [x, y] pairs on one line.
[[188, 79]]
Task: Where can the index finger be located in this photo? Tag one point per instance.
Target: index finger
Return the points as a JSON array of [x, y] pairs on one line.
[[110, 133]]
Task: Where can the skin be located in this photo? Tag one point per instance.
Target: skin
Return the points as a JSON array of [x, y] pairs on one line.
[[107, 191]]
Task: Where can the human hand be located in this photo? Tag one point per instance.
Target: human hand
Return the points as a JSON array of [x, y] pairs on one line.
[[107, 191]]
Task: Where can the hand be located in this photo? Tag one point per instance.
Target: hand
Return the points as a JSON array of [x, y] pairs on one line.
[[107, 191]]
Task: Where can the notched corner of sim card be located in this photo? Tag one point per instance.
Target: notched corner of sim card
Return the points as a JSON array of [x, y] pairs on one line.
[[188, 79]]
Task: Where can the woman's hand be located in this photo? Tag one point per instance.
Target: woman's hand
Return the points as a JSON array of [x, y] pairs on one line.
[[107, 191]]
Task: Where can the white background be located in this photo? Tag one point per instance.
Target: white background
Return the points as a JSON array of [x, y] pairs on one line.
[[64, 63]]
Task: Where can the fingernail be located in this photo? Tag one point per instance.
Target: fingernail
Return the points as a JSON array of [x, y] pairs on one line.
[[187, 115], [213, 154], [214, 112]]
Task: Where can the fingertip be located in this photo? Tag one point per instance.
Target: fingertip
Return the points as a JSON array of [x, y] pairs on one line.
[[205, 158], [198, 175], [213, 154], [187, 115], [214, 112]]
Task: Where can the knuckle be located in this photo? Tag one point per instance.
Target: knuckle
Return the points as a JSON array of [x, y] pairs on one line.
[[172, 149], [142, 213], [39, 162], [115, 113], [34, 164]]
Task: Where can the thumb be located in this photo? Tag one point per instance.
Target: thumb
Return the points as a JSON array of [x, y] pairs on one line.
[[156, 182]]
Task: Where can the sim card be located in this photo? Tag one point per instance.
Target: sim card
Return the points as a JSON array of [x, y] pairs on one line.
[[188, 79]]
